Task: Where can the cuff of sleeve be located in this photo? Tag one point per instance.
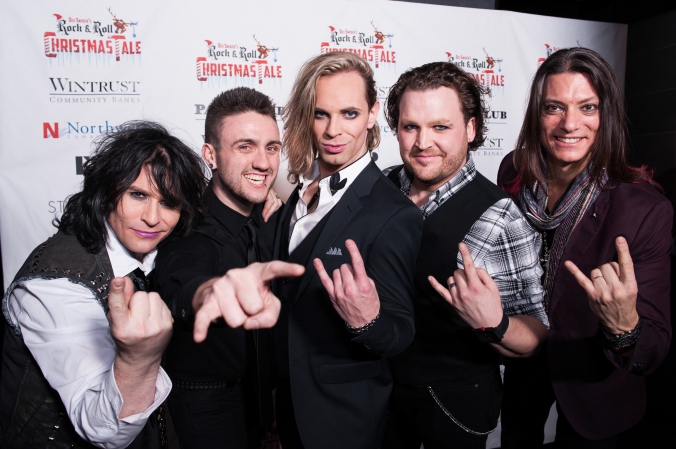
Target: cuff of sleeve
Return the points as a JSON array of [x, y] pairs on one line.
[[184, 310], [379, 332]]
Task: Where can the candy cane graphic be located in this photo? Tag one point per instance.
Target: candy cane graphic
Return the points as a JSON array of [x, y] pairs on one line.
[[259, 69], [200, 63], [117, 38], [376, 48], [324, 47], [48, 48]]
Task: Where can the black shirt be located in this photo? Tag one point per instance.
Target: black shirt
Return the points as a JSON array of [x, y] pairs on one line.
[[182, 265]]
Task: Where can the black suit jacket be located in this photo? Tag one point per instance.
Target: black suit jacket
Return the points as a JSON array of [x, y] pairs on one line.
[[341, 382], [600, 393]]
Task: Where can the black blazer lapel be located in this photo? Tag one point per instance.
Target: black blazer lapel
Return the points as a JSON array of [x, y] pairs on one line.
[[287, 211], [579, 242], [343, 212]]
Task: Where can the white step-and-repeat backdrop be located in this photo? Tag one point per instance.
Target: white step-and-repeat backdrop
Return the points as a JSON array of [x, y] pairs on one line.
[[72, 70]]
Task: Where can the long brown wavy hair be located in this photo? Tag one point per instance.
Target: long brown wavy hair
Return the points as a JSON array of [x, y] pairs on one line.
[[299, 112], [611, 145]]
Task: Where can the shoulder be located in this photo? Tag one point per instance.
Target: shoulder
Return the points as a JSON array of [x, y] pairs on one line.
[[637, 200], [386, 195], [507, 173]]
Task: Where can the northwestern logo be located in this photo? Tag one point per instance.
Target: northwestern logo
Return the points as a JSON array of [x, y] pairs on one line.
[[66, 90], [76, 130]]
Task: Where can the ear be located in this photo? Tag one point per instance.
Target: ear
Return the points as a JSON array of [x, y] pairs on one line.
[[471, 130], [373, 114], [209, 155]]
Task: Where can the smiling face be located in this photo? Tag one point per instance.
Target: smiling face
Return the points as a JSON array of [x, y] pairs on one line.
[[247, 161], [433, 135], [142, 219], [342, 120], [569, 120]]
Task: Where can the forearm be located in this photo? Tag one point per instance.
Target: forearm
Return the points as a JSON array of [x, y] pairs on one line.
[[136, 381], [523, 338]]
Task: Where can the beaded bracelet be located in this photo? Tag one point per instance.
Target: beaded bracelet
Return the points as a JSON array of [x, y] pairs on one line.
[[625, 339], [364, 328]]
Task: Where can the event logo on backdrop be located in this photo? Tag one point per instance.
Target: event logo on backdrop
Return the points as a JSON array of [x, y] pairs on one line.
[[253, 63], [373, 45], [486, 69], [77, 129], [80, 90], [549, 49], [99, 40]]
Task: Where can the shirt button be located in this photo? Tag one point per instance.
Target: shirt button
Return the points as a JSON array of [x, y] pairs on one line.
[[183, 313]]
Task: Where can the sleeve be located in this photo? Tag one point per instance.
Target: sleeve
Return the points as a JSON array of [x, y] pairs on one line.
[[180, 268], [650, 250], [67, 332], [511, 258], [391, 264]]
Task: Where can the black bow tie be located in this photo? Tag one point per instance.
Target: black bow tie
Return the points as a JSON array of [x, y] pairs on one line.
[[335, 184]]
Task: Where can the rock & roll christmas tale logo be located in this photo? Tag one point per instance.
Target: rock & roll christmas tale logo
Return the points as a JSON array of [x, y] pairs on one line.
[[94, 40], [375, 45], [486, 68], [252, 64]]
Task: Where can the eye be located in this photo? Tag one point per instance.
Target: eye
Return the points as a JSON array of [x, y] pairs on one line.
[[351, 114], [440, 127], [409, 127], [273, 149], [137, 195], [320, 114], [589, 108], [245, 147], [552, 108]]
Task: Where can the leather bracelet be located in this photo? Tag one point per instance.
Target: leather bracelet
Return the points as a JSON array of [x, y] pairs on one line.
[[625, 339], [364, 328]]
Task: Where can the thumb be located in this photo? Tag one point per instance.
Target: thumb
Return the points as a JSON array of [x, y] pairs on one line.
[[121, 291]]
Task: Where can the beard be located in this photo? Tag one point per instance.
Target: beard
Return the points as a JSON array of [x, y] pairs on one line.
[[437, 173]]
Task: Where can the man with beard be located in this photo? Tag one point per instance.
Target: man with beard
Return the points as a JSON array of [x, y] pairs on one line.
[[447, 389], [221, 394]]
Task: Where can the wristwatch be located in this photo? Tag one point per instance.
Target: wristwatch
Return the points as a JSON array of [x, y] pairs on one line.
[[493, 334]]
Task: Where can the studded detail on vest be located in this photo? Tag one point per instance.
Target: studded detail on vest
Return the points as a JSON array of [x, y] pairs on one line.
[[31, 412]]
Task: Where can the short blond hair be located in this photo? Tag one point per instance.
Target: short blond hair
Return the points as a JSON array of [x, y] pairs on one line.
[[299, 113]]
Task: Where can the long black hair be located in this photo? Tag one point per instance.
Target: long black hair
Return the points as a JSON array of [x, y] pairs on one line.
[[177, 172]]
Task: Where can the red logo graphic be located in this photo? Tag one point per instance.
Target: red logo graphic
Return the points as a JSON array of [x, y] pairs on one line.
[[371, 46]]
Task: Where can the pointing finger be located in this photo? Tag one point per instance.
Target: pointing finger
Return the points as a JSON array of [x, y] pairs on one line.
[[357, 261], [624, 260], [581, 279], [443, 291]]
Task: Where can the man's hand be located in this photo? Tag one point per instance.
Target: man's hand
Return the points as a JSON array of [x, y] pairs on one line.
[[612, 290], [140, 323], [472, 293], [243, 297], [352, 292], [272, 203]]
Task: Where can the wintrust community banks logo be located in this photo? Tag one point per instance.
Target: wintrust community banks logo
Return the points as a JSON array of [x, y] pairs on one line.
[[73, 90], [77, 39], [252, 63], [376, 46], [77, 129], [486, 69]]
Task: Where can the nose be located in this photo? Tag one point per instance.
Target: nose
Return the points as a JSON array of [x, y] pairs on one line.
[[571, 120], [422, 140], [261, 160], [332, 128], [151, 213]]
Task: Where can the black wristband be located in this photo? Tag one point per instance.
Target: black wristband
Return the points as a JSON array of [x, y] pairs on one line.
[[623, 340], [493, 334]]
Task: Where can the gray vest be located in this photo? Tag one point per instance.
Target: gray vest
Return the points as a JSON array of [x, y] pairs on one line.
[[31, 412]]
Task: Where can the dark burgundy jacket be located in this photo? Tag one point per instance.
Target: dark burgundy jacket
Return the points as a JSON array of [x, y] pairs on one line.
[[600, 393]]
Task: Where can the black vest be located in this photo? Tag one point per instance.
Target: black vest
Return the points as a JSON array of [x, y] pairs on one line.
[[31, 411], [444, 348]]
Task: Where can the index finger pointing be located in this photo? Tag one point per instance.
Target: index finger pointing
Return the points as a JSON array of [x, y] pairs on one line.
[[467, 262], [357, 261], [277, 269], [624, 260]]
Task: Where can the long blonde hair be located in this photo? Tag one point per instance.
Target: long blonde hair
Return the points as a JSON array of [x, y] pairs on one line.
[[299, 113]]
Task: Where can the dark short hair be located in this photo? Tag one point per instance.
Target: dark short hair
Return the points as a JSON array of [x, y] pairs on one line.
[[176, 170], [443, 74], [611, 145], [231, 102]]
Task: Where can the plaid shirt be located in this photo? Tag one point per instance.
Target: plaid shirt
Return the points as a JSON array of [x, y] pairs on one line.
[[501, 242]]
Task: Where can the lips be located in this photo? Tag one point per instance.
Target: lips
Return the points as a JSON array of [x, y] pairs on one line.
[[257, 180], [334, 149], [146, 234]]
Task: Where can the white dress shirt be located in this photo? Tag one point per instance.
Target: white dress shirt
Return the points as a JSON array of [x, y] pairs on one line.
[[303, 223], [64, 327]]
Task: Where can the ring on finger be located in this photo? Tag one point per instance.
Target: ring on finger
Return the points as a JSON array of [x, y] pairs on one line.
[[451, 285], [596, 277]]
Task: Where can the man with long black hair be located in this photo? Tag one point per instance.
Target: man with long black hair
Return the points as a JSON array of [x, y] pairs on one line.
[[81, 356]]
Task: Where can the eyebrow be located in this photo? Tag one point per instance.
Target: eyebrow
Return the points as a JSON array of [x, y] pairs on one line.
[[347, 109], [274, 142], [435, 122], [586, 100], [245, 140]]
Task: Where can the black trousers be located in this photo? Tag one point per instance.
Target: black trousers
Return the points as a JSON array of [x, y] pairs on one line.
[[528, 396], [214, 418], [414, 417]]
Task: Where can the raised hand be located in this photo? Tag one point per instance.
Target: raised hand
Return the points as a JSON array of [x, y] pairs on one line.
[[243, 297], [140, 323], [612, 290], [352, 292], [272, 203], [472, 293]]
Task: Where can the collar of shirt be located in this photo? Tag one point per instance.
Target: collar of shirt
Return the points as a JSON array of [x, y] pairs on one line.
[[122, 261], [232, 220], [466, 174], [307, 222]]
